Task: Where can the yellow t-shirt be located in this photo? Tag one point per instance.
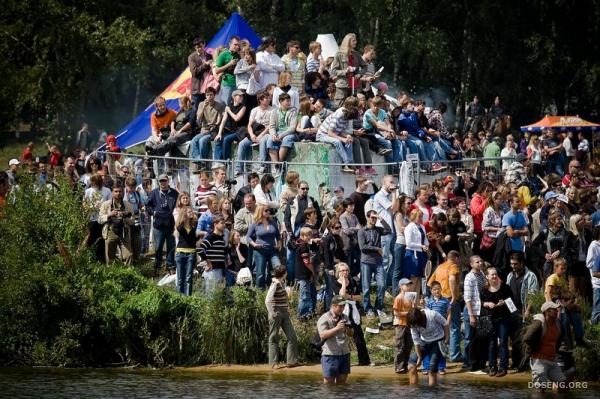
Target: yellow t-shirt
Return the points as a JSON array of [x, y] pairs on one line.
[[558, 284]]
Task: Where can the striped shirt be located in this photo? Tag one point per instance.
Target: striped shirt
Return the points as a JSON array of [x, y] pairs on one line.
[[474, 284], [441, 305], [433, 331], [213, 249], [276, 299], [312, 64], [336, 123]]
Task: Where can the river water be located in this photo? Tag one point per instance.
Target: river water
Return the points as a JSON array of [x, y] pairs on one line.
[[56, 384]]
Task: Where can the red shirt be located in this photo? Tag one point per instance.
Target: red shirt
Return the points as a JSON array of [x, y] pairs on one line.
[[27, 155]]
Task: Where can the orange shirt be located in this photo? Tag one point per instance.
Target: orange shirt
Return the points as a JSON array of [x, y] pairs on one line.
[[547, 349], [400, 305], [442, 275], [158, 122]]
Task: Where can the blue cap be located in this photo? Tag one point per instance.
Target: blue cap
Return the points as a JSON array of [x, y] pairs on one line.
[[404, 281], [549, 195]]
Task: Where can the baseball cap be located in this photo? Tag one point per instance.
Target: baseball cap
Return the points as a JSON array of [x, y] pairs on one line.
[[338, 300], [521, 158], [237, 93], [549, 195], [338, 188], [404, 281], [550, 305], [562, 198], [163, 177], [14, 161]]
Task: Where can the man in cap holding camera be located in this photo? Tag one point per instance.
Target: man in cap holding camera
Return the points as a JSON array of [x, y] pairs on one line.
[[160, 204], [117, 217], [334, 333]]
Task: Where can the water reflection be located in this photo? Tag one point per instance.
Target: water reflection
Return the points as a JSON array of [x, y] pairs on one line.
[[53, 383]]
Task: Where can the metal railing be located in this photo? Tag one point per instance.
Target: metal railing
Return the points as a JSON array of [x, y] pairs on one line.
[[184, 171]]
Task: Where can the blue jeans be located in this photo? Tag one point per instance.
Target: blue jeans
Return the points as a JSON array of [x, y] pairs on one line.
[[225, 94], [261, 257], [244, 152], [308, 298], [502, 327], [425, 150], [212, 279], [596, 306], [200, 146], [185, 271], [223, 147], [366, 270], [344, 150], [286, 142], [160, 236], [399, 251], [454, 345], [387, 244], [574, 319], [290, 264], [442, 148]]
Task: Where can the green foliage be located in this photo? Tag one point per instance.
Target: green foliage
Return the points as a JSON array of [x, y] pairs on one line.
[[64, 62], [60, 307]]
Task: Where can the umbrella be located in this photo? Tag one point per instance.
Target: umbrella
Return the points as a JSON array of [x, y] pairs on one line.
[[562, 123]]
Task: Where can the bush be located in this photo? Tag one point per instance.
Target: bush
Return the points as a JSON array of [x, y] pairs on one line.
[[60, 307]]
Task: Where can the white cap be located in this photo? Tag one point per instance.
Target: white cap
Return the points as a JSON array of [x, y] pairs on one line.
[[14, 161]]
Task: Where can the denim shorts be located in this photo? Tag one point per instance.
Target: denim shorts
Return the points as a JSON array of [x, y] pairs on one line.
[[335, 365], [432, 349]]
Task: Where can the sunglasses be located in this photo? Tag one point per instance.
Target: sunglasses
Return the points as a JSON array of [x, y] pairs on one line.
[[304, 188], [337, 227]]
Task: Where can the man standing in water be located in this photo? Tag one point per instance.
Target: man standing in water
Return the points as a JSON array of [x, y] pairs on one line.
[[334, 332]]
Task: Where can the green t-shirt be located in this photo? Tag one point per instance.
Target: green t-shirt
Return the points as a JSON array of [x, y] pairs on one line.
[[228, 78]]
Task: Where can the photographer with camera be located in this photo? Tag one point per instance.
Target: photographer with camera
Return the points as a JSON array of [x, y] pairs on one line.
[[133, 197], [334, 333], [117, 217], [161, 204]]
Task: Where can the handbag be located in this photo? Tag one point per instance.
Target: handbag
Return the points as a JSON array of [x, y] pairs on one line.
[[485, 326], [253, 85], [487, 242]]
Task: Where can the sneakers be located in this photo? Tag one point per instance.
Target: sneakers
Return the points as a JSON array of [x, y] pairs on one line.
[[347, 169], [492, 371], [360, 171], [437, 167], [370, 171], [262, 169], [384, 151], [238, 173], [501, 373], [370, 314]]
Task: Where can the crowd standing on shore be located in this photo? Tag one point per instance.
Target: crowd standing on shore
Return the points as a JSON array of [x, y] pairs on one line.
[[461, 256]]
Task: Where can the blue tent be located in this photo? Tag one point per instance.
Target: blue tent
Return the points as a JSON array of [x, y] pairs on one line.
[[138, 130]]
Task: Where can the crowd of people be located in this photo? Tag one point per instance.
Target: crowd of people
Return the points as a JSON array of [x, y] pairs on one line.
[[256, 98], [461, 256]]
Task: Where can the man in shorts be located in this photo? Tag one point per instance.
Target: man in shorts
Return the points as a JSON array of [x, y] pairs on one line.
[[334, 333]]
